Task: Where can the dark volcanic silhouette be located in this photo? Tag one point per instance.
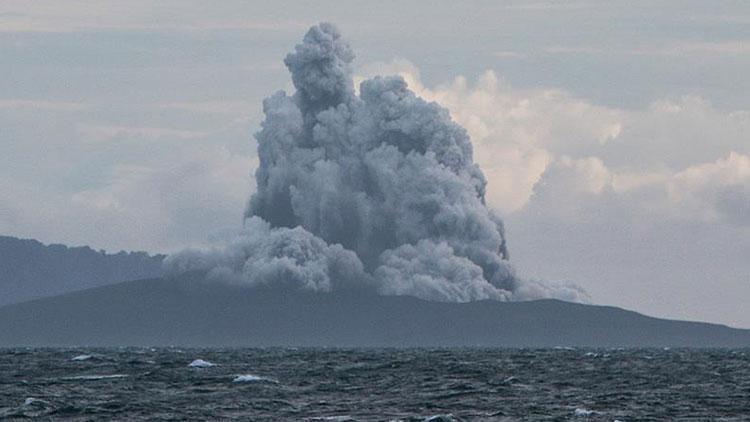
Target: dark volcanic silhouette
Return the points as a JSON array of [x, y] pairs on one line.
[[31, 270], [190, 311]]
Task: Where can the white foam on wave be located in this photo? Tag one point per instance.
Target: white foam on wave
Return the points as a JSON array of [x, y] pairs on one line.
[[583, 413], [94, 377], [200, 363], [251, 378], [82, 357], [440, 418], [31, 401]]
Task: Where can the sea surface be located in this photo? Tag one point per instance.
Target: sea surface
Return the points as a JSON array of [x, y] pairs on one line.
[[382, 384]]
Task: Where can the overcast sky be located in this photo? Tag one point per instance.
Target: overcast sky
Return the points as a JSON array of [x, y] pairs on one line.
[[615, 138]]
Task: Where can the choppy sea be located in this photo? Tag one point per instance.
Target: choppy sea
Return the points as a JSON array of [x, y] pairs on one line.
[[381, 384]]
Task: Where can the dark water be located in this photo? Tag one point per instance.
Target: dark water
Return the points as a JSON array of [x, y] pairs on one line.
[[320, 384]]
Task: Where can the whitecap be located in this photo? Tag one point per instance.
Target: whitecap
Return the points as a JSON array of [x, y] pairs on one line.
[[440, 418], [31, 400], [251, 378], [94, 377], [82, 357], [200, 363], [583, 413]]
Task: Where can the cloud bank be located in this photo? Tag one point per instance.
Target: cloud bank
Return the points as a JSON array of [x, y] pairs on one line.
[[646, 208], [377, 188], [546, 151]]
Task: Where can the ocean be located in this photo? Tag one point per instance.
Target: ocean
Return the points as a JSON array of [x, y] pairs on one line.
[[557, 384]]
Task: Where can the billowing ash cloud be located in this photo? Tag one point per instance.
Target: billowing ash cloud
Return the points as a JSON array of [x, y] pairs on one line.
[[261, 255], [376, 190]]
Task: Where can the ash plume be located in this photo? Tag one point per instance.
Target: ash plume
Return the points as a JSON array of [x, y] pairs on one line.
[[375, 190]]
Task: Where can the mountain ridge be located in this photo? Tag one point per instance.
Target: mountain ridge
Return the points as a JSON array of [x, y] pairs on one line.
[[189, 311], [29, 269]]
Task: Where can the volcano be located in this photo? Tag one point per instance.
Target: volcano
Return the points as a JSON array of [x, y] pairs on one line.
[[190, 311]]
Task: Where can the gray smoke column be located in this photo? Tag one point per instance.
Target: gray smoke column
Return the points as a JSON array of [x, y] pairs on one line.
[[376, 190]]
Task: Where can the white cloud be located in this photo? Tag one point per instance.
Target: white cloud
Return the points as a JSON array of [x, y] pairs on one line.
[[21, 104], [237, 108], [676, 134], [647, 209], [506, 54], [105, 133], [548, 6], [134, 15], [519, 135], [731, 48], [715, 192], [577, 49], [684, 49], [516, 133], [192, 195]]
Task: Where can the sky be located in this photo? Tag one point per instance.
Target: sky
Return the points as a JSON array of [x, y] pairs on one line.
[[615, 136]]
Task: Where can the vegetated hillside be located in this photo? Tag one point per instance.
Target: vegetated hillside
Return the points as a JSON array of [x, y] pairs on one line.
[[31, 270]]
